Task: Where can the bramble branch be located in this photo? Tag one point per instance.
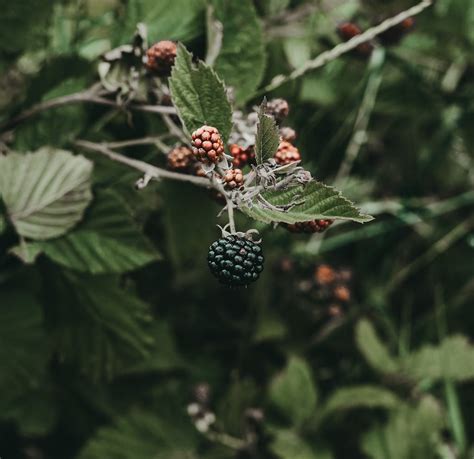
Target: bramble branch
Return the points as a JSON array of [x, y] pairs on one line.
[[90, 95], [343, 48], [147, 169]]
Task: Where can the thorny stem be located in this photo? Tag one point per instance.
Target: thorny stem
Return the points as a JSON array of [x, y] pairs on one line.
[[90, 95], [157, 141], [343, 48]]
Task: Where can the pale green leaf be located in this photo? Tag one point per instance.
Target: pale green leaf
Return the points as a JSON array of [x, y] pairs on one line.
[[176, 20], [373, 349], [411, 432], [453, 359], [287, 444], [348, 398], [199, 95], [314, 201], [26, 252], [268, 136], [46, 192], [293, 391], [241, 60], [108, 241]]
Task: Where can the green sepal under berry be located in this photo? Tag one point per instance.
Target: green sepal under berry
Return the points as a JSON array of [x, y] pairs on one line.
[[235, 260]]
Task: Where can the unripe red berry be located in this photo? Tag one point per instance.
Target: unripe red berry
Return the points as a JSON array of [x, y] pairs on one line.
[[242, 156], [180, 158], [348, 30], [160, 57], [207, 145], [288, 134], [233, 178], [287, 153], [313, 226]]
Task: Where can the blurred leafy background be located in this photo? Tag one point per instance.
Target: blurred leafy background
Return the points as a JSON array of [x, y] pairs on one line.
[[352, 344]]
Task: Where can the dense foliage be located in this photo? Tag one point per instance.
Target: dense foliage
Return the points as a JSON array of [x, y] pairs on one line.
[[116, 342]]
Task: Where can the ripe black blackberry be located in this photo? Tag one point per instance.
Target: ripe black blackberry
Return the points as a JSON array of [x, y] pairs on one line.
[[235, 260]]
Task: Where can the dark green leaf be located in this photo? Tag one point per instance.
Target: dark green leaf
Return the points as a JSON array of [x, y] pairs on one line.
[[108, 241], [96, 325], [319, 201], [268, 137], [241, 61], [199, 95]]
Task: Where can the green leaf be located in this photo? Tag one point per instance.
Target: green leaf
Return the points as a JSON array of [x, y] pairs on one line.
[[411, 432], [26, 252], [96, 325], [23, 349], [108, 241], [293, 391], [241, 61], [268, 136], [348, 398], [178, 20], [373, 349], [289, 445], [199, 95], [23, 25], [144, 435], [45, 193], [453, 359], [34, 410], [314, 201]]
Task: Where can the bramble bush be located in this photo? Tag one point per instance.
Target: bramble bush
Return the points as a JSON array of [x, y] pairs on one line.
[[236, 229]]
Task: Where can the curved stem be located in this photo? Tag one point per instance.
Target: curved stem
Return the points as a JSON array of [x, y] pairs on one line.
[[91, 95], [147, 169], [345, 47]]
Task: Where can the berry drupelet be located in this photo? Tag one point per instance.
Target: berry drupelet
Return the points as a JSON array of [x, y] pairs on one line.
[[235, 260]]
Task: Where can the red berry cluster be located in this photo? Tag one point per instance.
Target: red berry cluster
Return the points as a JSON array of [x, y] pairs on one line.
[[233, 178], [160, 57], [390, 37], [180, 159], [313, 226], [207, 145], [348, 30], [242, 156], [287, 153]]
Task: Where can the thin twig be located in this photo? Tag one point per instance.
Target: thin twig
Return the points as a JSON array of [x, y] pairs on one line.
[[175, 129], [343, 48], [90, 95], [136, 142], [147, 169]]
